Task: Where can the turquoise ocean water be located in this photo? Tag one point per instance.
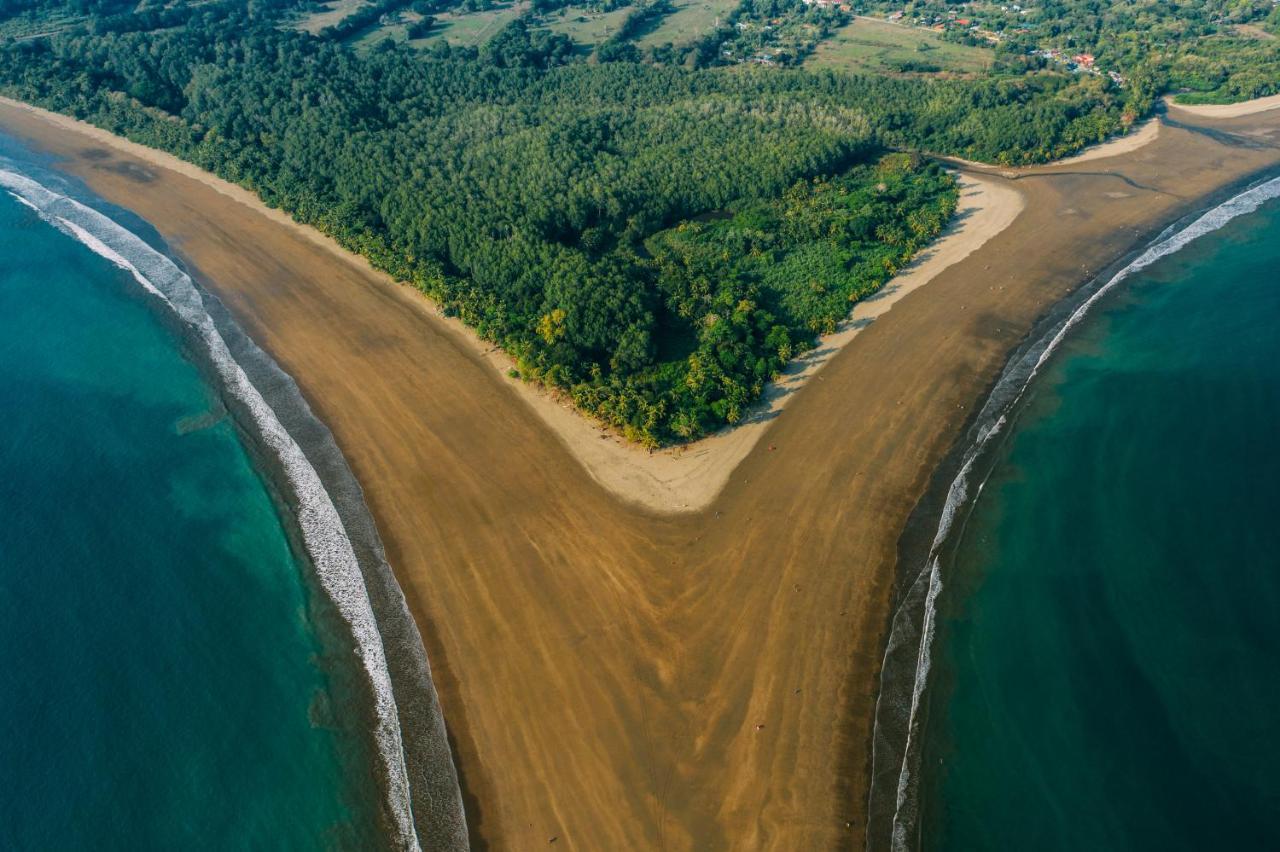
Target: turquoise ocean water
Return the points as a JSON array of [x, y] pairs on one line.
[[1106, 664], [165, 682]]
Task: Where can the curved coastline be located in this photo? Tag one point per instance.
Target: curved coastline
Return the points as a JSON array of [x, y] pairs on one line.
[[687, 478], [584, 643], [331, 525], [1235, 110], [939, 518]]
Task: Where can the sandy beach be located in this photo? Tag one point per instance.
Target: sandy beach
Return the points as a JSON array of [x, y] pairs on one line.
[[619, 677], [1136, 138], [1227, 110], [689, 477]]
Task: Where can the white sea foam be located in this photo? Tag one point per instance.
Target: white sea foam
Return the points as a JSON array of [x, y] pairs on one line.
[[323, 534], [991, 420]]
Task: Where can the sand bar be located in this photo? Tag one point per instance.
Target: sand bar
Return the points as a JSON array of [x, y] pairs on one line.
[[1138, 137], [613, 677], [1228, 110]]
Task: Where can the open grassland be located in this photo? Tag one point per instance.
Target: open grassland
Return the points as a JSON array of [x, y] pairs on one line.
[[1252, 31], [332, 13], [880, 47], [691, 19], [585, 27], [472, 29], [397, 31]]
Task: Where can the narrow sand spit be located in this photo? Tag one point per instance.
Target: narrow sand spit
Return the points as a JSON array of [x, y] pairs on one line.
[[1133, 140], [1127, 144], [613, 677], [1227, 110]]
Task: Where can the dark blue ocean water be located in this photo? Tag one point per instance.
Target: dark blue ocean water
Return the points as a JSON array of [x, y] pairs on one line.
[[1108, 651], [164, 684]]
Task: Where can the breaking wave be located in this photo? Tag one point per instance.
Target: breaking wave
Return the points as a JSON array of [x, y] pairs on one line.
[[323, 534], [895, 760]]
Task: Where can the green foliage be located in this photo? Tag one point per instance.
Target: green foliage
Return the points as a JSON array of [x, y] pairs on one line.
[[780, 32], [535, 197], [745, 291], [363, 19], [1205, 47], [642, 18]]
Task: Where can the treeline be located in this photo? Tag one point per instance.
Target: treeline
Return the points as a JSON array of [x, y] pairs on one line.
[[745, 291], [362, 19], [535, 198], [518, 45], [644, 17]]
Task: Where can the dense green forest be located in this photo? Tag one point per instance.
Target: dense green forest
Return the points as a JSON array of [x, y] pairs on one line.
[[655, 241], [1212, 51]]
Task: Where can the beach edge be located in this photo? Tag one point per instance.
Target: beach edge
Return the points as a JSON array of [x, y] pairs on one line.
[[434, 801], [970, 458]]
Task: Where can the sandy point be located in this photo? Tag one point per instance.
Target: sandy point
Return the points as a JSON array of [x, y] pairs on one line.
[[1227, 110], [688, 478], [618, 678]]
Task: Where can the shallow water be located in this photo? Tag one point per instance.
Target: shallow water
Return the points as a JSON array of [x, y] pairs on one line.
[[167, 683], [1107, 663]]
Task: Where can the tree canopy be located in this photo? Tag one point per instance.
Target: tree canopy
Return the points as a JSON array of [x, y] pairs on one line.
[[655, 241]]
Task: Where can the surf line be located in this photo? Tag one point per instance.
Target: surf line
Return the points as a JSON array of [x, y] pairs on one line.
[[324, 536], [914, 620]]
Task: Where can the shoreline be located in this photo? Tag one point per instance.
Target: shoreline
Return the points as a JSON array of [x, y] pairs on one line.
[[701, 680], [321, 508], [1236, 110], [1133, 140], [434, 792], [936, 525], [688, 477]]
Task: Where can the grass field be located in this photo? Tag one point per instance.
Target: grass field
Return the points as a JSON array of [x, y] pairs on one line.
[[471, 29], [587, 28], [881, 47], [398, 31], [691, 19], [332, 14]]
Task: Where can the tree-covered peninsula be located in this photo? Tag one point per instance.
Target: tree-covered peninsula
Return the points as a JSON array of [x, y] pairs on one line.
[[654, 239]]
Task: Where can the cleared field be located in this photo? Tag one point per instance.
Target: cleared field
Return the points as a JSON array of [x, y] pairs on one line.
[[584, 27], [883, 48], [691, 19], [468, 29], [22, 27], [332, 14], [1252, 31], [397, 32]]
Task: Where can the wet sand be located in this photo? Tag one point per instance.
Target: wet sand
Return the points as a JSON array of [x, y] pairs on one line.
[[616, 678], [1227, 110], [673, 479]]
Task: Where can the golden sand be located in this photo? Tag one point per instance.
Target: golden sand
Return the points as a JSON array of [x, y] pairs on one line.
[[615, 677]]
